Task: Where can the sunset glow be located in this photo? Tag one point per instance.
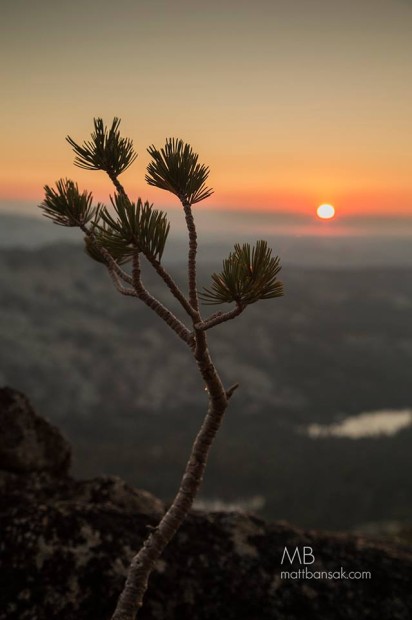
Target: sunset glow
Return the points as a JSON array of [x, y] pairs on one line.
[[333, 119]]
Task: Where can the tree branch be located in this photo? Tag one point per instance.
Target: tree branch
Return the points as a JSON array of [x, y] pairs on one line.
[[190, 223], [174, 289], [140, 291], [161, 271], [122, 289], [219, 317], [110, 261], [165, 314], [119, 187]]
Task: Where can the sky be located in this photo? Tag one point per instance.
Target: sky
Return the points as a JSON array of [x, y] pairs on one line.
[[291, 103]]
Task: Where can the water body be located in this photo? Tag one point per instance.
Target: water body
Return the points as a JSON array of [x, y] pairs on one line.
[[372, 424], [248, 504]]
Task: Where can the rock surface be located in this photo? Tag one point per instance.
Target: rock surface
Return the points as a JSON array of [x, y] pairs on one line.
[[29, 443], [65, 547]]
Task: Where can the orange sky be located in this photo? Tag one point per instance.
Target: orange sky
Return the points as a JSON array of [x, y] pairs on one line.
[[290, 103]]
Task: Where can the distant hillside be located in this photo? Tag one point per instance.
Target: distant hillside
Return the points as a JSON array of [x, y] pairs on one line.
[[324, 251], [32, 232], [125, 391]]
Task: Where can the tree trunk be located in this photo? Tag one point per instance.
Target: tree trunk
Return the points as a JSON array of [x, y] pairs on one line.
[[131, 598]]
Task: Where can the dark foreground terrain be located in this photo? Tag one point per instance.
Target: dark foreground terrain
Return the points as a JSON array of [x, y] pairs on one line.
[[66, 545]]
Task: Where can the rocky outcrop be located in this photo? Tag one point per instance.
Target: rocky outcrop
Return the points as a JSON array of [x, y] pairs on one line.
[[65, 547], [29, 443]]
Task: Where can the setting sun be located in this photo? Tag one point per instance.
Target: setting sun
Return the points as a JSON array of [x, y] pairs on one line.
[[325, 212]]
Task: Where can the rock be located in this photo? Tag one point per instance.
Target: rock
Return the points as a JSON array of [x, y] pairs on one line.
[[35, 460], [65, 547], [28, 442], [112, 490]]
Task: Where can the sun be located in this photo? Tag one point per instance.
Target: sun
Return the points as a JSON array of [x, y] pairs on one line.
[[325, 212]]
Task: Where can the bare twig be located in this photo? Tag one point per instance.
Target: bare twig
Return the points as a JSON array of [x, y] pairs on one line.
[[231, 390]]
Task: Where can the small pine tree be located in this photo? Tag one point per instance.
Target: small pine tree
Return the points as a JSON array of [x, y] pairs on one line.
[[134, 231]]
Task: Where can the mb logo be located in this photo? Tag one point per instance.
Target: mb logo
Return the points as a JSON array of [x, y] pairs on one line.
[[303, 555]]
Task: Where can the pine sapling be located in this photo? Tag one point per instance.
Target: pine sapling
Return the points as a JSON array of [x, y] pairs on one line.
[[120, 238]]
